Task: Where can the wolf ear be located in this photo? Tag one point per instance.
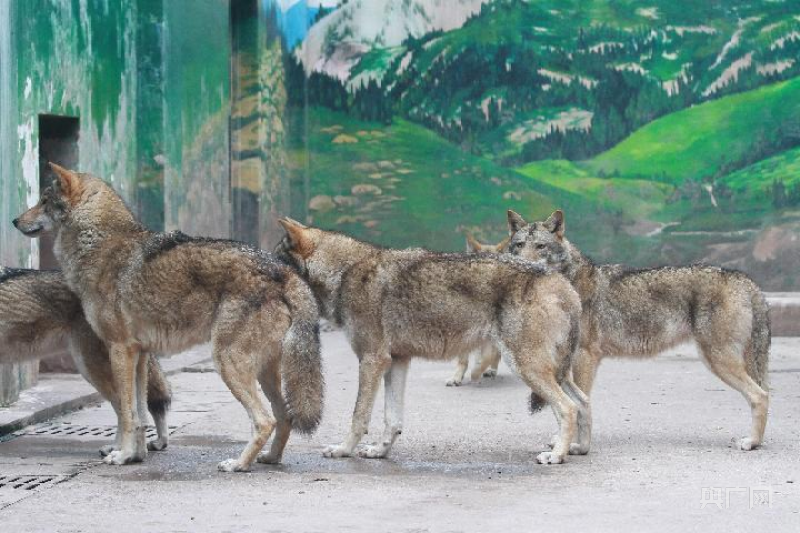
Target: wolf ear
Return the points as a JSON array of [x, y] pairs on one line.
[[515, 221], [502, 245], [298, 237], [556, 223], [67, 182], [473, 245]]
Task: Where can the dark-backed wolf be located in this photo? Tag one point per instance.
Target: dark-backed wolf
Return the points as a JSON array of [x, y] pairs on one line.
[[487, 357], [640, 313], [38, 313], [145, 292], [398, 304]]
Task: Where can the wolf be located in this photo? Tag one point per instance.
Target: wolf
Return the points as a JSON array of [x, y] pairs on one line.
[[38, 314], [146, 292], [395, 305], [641, 313], [488, 357]]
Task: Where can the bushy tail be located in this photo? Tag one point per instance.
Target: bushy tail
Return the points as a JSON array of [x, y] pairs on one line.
[[756, 356], [567, 352], [301, 368], [159, 392]]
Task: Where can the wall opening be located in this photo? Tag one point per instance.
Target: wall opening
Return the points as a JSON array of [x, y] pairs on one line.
[[58, 143]]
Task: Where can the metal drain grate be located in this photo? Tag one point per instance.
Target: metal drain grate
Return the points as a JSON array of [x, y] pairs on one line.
[[79, 430], [27, 482]]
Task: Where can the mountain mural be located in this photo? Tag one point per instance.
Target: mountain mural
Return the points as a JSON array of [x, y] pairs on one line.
[[666, 129]]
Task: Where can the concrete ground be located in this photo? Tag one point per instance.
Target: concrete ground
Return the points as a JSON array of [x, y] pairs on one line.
[[662, 447]]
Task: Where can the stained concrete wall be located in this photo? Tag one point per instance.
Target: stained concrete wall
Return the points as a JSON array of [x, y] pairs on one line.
[[160, 117]]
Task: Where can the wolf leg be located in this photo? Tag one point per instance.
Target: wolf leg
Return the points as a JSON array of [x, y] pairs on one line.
[[584, 370], [487, 363], [461, 368], [159, 398], [271, 385], [370, 370], [395, 387], [584, 442], [730, 368], [125, 366], [236, 369]]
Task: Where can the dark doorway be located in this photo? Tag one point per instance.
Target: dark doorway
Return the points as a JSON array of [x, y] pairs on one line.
[[58, 143]]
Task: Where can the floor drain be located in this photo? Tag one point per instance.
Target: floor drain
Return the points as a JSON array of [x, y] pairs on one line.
[[27, 482], [82, 431]]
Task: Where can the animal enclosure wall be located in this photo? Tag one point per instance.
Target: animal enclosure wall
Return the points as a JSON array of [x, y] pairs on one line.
[[666, 130]]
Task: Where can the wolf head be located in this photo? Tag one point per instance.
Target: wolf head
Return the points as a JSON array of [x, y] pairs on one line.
[[54, 205], [540, 242], [321, 257], [478, 247], [70, 194]]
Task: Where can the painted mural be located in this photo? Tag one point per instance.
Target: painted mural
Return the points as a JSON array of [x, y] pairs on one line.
[[667, 130]]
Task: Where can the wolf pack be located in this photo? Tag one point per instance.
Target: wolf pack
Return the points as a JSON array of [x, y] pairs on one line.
[[126, 296]]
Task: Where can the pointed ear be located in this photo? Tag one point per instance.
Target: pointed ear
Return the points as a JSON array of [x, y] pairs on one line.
[[68, 183], [473, 245], [299, 239], [515, 222], [556, 223]]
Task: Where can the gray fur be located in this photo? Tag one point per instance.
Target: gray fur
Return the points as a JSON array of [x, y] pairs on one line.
[[640, 313]]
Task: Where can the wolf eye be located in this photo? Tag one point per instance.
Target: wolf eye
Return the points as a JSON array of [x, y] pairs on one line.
[[541, 246]]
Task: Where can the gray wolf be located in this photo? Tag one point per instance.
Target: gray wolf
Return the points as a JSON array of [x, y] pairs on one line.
[[487, 357], [146, 292], [38, 314], [640, 313], [395, 305]]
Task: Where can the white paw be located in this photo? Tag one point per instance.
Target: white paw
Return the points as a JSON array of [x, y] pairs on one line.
[[490, 373], [336, 451], [747, 444], [373, 452], [107, 449], [453, 383], [267, 458], [578, 449], [157, 445], [549, 458], [119, 457], [232, 465]]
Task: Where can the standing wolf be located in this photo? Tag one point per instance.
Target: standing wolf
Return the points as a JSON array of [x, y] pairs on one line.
[[145, 292], [38, 313], [488, 356], [399, 304], [640, 313]]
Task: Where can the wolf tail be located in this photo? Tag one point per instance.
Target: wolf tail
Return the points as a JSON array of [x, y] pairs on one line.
[[304, 384], [159, 392], [568, 353], [756, 356]]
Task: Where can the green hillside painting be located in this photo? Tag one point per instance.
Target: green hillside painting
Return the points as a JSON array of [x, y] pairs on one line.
[[668, 130]]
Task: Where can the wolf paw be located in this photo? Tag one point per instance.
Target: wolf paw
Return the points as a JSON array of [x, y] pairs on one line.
[[119, 457], [267, 458], [578, 449], [335, 451], [107, 449], [157, 445], [490, 373], [373, 452], [453, 383], [747, 444], [549, 458], [232, 465]]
